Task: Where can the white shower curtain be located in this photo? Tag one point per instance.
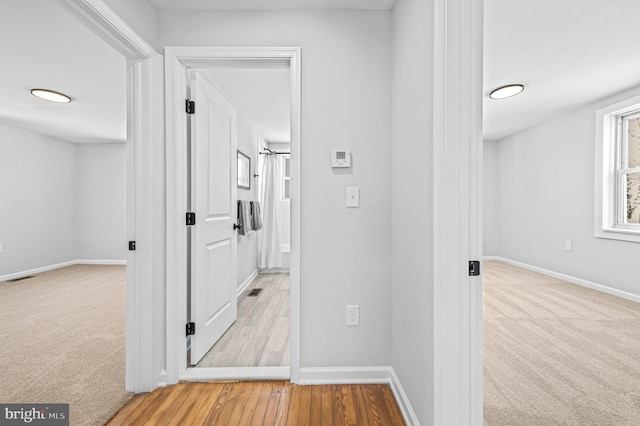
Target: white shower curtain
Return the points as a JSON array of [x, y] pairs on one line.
[[270, 247]]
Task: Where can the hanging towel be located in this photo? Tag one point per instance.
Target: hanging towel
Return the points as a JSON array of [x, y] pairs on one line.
[[244, 217], [256, 217]]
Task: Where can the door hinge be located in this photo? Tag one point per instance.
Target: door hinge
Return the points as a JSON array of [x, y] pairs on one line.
[[191, 328], [132, 245], [191, 218], [190, 106], [474, 268]]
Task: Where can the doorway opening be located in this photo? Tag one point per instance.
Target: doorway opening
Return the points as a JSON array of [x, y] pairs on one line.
[[259, 231], [241, 116]]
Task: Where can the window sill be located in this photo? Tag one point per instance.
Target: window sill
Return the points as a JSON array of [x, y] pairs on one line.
[[619, 234]]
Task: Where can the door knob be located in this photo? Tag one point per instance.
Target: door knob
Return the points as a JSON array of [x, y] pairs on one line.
[[236, 226]]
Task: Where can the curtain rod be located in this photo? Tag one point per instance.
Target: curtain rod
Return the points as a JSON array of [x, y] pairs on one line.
[[270, 152]]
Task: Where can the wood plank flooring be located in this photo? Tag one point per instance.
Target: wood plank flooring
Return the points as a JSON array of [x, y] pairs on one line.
[[263, 403], [260, 336]]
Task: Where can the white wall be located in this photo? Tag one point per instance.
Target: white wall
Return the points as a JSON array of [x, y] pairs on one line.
[[60, 201], [346, 102], [491, 201], [37, 189], [101, 201], [248, 244], [546, 192], [412, 217], [141, 16]]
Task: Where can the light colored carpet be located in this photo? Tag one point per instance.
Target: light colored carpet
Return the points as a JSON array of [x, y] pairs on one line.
[[556, 353], [63, 341]]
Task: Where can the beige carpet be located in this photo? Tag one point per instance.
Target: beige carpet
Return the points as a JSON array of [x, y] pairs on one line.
[[556, 353], [62, 339]]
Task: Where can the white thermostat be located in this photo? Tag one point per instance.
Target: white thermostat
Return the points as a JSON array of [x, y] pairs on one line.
[[340, 158]]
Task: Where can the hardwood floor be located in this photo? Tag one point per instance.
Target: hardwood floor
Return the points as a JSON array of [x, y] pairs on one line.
[[260, 336], [263, 403]]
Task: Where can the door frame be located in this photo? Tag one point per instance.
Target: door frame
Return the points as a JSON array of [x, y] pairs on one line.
[[145, 192], [457, 213], [177, 60]]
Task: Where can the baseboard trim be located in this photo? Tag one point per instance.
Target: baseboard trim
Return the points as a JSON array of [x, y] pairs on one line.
[[100, 262], [33, 271], [274, 271], [403, 400], [578, 281], [246, 283], [362, 375], [491, 258], [344, 375], [235, 373]]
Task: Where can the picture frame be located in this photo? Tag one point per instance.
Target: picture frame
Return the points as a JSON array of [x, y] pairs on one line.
[[244, 171]]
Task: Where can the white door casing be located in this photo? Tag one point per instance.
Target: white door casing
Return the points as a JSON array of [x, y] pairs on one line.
[[177, 61], [213, 200]]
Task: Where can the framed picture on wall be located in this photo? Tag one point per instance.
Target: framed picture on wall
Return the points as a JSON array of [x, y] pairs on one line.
[[244, 171]]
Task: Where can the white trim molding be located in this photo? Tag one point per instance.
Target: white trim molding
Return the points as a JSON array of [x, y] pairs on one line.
[[145, 353], [457, 212], [38, 270], [568, 278], [606, 166], [246, 283], [409, 415], [177, 61], [344, 375], [97, 16], [100, 262], [362, 375], [26, 273], [200, 374]]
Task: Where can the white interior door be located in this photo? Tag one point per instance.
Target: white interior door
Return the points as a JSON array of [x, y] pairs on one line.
[[213, 200]]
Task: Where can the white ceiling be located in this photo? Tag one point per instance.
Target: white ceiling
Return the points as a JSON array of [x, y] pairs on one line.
[[43, 46], [273, 4], [262, 96], [568, 53]]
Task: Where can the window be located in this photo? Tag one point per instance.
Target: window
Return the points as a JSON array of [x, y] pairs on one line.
[[618, 171], [286, 177]]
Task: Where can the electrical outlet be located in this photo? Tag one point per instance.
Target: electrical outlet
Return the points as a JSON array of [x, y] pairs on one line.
[[568, 245], [353, 314]]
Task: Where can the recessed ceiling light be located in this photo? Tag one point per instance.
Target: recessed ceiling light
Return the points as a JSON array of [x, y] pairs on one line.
[[50, 95], [506, 91]]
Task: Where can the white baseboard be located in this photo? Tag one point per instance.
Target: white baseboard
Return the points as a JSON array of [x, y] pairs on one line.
[[274, 271], [362, 375], [100, 262], [492, 258], [28, 272], [33, 271], [235, 373], [344, 375], [246, 283], [403, 401], [579, 281]]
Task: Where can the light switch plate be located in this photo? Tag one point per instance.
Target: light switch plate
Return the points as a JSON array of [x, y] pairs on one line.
[[353, 196]]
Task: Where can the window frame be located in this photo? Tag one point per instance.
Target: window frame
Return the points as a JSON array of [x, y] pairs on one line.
[[611, 171], [285, 158]]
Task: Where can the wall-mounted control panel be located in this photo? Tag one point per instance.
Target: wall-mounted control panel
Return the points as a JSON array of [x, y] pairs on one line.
[[340, 158]]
